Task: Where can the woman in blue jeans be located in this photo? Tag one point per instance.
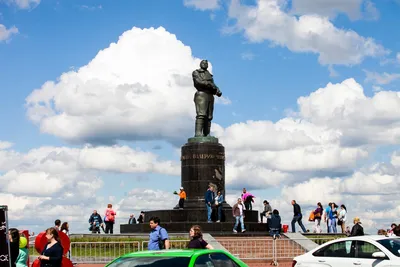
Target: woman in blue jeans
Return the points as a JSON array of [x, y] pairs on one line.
[[332, 218], [218, 203]]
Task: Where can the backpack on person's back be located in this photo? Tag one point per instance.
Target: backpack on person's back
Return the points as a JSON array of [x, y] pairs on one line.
[[161, 243], [110, 216]]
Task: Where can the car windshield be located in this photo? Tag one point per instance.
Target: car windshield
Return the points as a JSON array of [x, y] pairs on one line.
[[151, 262], [391, 244]]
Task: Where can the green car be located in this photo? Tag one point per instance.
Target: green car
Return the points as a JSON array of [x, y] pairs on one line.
[[178, 258]]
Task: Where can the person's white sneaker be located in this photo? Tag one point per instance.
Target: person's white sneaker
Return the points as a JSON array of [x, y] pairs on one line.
[[234, 231], [244, 230]]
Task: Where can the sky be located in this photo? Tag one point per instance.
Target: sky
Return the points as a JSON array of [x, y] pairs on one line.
[[96, 100]]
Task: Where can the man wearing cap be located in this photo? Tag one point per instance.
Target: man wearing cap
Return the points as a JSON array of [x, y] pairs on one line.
[[182, 197]]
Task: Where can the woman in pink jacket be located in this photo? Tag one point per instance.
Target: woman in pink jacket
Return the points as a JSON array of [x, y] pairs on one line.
[[109, 219]]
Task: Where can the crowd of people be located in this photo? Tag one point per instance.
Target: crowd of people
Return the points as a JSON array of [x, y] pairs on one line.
[[332, 215], [394, 230], [52, 253], [96, 222]]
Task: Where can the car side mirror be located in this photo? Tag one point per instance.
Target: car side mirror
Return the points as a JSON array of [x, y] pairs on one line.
[[378, 254]]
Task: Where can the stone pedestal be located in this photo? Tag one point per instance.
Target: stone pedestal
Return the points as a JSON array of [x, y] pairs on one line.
[[202, 163]]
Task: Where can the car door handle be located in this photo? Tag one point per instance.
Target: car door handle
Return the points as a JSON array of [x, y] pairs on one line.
[[321, 261], [357, 263]]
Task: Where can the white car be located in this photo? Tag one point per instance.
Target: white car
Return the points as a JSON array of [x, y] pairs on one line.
[[363, 251]]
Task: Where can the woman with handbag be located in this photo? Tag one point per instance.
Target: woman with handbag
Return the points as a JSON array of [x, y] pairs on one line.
[[317, 218], [342, 218]]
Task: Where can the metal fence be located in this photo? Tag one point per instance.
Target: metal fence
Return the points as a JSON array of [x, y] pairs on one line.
[[289, 248], [101, 252], [174, 244]]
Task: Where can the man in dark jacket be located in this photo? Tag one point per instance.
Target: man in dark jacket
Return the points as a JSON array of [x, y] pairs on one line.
[[141, 217], [275, 224], [95, 222], [357, 229], [209, 199], [297, 216], [132, 219]]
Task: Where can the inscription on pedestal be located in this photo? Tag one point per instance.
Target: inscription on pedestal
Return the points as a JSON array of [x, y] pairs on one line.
[[203, 156]]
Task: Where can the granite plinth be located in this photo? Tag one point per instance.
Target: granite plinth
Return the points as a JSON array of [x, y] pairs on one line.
[[197, 215], [184, 227], [203, 139], [202, 163]]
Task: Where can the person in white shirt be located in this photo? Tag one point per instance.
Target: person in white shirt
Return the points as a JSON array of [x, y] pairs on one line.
[[342, 217]]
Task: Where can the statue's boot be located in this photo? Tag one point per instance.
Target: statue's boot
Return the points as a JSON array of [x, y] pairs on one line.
[[199, 128]]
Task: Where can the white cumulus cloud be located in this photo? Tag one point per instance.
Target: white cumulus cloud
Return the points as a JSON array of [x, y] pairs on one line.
[[139, 88], [140, 199], [52, 171], [267, 21], [381, 79], [5, 145], [125, 160], [361, 120], [24, 4], [5, 34], [63, 182], [202, 4], [354, 9], [328, 8]]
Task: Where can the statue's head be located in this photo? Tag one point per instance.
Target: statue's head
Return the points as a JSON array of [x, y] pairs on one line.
[[204, 64]]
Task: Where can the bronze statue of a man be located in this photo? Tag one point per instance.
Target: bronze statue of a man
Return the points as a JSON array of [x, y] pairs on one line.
[[204, 98]]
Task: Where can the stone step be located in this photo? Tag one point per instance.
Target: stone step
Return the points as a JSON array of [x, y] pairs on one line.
[[221, 228], [198, 215]]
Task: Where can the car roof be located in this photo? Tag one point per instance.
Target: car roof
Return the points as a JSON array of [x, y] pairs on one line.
[[172, 253], [362, 238], [368, 237]]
